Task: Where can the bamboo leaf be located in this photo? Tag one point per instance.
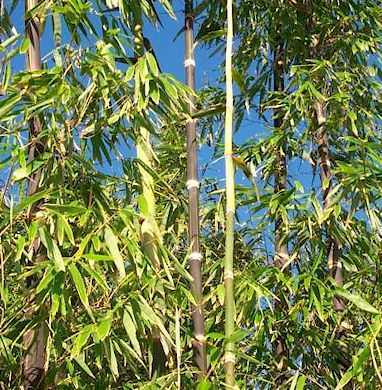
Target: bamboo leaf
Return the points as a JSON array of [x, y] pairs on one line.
[[113, 361], [79, 284], [81, 340], [80, 360], [357, 300], [112, 244], [104, 326], [131, 331]]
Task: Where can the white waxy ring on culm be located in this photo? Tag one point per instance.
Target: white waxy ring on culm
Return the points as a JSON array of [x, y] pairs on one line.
[[196, 256], [229, 357], [228, 275], [200, 337], [189, 62], [192, 184]]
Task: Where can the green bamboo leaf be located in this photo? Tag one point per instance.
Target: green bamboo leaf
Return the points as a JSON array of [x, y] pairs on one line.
[[45, 281], [113, 361], [68, 210], [131, 331], [357, 300], [52, 249], [56, 295], [58, 260], [20, 243], [152, 318], [96, 276], [104, 326], [80, 285], [80, 360], [7, 104], [23, 172], [81, 340], [112, 244], [346, 378], [301, 382], [67, 229], [152, 64], [25, 45]]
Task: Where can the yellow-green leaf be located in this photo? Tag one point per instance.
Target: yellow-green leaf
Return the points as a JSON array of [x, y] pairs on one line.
[[112, 244], [131, 331]]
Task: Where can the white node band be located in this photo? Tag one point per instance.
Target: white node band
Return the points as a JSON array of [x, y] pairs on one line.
[[228, 275], [200, 337], [189, 62], [229, 357], [192, 184], [196, 256]]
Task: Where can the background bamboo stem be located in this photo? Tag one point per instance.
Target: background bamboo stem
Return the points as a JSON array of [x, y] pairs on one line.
[[149, 229], [229, 356], [334, 263], [281, 246], [35, 339]]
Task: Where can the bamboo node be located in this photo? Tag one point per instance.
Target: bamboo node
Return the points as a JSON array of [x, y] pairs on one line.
[[200, 338], [229, 357], [192, 183], [228, 275], [189, 62], [196, 256]]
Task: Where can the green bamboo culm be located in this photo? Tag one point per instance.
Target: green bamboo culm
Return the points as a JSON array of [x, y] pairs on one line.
[[149, 230], [199, 343], [229, 355]]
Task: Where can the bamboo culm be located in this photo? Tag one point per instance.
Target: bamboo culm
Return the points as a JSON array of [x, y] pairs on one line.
[[334, 262], [199, 344], [35, 339], [280, 185], [149, 229], [229, 353]]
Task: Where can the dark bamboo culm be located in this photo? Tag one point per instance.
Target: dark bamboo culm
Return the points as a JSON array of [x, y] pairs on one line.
[[35, 339], [334, 262], [195, 260], [281, 246]]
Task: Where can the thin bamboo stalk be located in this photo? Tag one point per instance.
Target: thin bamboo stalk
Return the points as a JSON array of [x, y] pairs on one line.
[[229, 356], [34, 340], [334, 262], [199, 344], [281, 247], [149, 229]]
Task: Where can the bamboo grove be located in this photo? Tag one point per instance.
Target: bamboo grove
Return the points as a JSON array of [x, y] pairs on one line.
[[218, 226]]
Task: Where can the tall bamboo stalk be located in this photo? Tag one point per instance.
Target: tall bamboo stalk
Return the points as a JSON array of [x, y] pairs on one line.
[[199, 343], [229, 356], [34, 340], [334, 262], [281, 247], [149, 229]]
